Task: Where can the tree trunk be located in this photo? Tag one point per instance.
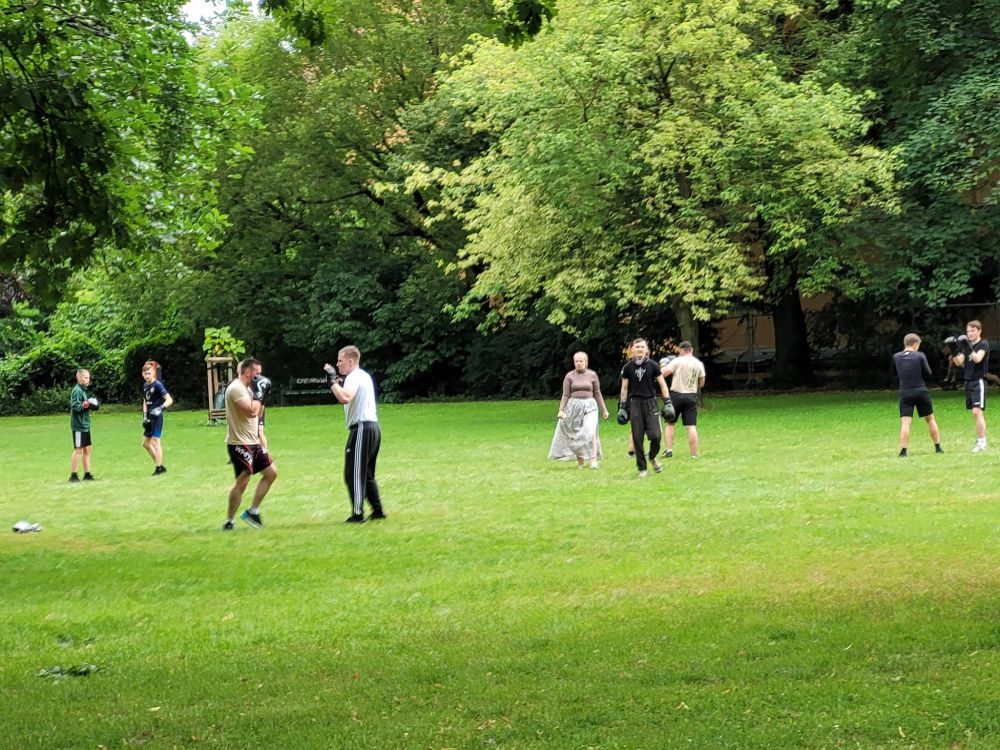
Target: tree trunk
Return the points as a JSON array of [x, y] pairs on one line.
[[792, 360], [687, 323]]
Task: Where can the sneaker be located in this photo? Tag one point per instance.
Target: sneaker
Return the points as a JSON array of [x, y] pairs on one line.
[[380, 516], [160, 470], [355, 519], [74, 478], [88, 477], [228, 526], [594, 465], [979, 448], [668, 454], [695, 456], [643, 474], [938, 449], [252, 518], [902, 453], [657, 466], [631, 454]]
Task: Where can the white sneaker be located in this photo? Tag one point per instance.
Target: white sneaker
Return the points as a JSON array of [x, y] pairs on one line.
[[979, 448], [643, 475], [594, 465]]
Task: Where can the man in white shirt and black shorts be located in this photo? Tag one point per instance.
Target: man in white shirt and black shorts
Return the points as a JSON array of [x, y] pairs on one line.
[[355, 389], [688, 379]]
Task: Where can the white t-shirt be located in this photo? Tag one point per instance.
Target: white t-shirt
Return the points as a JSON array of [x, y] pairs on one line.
[[361, 408]]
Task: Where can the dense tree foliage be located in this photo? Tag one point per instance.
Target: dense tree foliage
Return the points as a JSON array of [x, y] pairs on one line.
[[471, 189]]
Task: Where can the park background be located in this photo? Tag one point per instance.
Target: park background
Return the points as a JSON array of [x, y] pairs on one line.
[[471, 191]]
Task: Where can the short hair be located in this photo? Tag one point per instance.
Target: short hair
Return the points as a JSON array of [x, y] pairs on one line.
[[974, 324], [685, 345], [639, 341], [248, 364], [82, 370], [584, 355], [351, 352], [148, 367], [910, 339]]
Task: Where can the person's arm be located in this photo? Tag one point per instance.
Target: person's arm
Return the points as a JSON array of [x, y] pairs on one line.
[[599, 397], [663, 386], [624, 392], [344, 393], [168, 401], [978, 355], [567, 386], [926, 365], [76, 401], [248, 407], [701, 382]]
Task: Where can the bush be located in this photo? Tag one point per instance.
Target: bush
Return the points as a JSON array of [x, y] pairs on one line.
[[41, 401]]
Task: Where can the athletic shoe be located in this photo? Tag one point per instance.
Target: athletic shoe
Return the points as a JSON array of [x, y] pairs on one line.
[[657, 466], [252, 518], [376, 517], [631, 454], [938, 449], [902, 453], [594, 465], [355, 519], [74, 478], [88, 477], [228, 526], [696, 456], [979, 448], [668, 454], [643, 474], [159, 470]]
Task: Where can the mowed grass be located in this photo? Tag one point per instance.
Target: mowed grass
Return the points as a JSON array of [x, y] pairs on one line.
[[799, 587]]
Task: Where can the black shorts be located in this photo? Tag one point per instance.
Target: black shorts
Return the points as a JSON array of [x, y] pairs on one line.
[[248, 458], [81, 439], [975, 394], [920, 399], [686, 406], [154, 427]]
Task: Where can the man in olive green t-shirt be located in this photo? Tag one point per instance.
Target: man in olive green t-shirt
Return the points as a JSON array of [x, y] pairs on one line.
[[244, 399], [80, 405]]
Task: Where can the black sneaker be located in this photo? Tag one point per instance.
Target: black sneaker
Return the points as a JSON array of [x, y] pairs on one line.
[[380, 516], [74, 478], [252, 518], [228, 526], [902, 453], [159, 470], [657, 466], [668, 454], [631, 454], [937, 449], [88, 477], [355, 519]]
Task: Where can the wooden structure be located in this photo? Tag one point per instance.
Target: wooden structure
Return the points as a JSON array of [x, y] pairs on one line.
[[220, 374]]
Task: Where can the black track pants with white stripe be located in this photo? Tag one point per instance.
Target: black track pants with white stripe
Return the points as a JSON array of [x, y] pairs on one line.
[[363, 442]]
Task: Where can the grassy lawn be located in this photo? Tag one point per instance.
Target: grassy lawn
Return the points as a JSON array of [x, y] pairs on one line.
[[799, 587]]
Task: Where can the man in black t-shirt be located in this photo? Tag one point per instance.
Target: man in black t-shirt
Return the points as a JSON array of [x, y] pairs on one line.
[[911, 365], [975, 358], [641, 379]]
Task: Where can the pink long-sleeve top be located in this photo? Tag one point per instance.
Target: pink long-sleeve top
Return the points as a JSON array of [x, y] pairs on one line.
[[582, 385]]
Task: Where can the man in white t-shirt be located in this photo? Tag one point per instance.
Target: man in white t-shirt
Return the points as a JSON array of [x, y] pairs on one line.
[[688, 378], [355, 389]]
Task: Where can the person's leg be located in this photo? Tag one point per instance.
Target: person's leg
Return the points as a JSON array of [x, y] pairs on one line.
[[637, 419], [147, 444], [74, 462], [653, 432], [236, 494], [693, 440], [932, 428], [86, 459], [980, 420], [372, 492], [267, 477], [904, 432], [631, 444], [353, 476], [262, 437], [668, 437]]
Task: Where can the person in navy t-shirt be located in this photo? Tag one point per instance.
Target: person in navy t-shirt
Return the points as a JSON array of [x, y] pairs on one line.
[[155, 399]]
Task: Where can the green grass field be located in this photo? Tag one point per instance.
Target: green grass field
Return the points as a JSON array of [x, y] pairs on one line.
[[799, 587]]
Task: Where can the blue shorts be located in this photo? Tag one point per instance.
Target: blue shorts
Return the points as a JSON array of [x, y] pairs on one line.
[[155, 427]]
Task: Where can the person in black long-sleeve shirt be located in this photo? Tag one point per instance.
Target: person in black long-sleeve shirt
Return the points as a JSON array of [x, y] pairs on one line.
[[910, 366]]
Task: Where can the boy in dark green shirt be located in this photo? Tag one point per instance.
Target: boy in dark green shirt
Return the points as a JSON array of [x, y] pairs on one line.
[[80, 406]]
